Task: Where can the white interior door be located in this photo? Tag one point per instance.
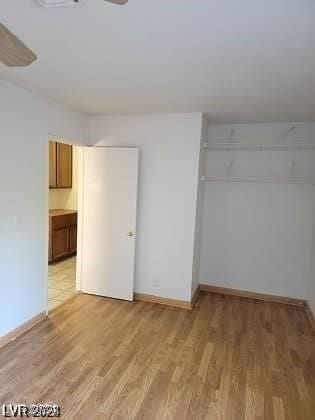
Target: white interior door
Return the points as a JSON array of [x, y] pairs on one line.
[[108, 221]]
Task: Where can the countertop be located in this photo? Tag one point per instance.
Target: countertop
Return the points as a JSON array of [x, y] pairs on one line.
[[61, 212]]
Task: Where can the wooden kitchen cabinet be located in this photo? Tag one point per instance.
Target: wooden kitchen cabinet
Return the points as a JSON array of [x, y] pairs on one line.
[[60, 165], [64, 165], [60, 243], [62, 234], [52, 165], [73, 238]]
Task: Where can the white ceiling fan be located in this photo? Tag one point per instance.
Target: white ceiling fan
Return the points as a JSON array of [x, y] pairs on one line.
[[14, 53], [62, 3]]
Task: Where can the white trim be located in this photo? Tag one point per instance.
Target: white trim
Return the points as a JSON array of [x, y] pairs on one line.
[[46, 223], [80, 218]]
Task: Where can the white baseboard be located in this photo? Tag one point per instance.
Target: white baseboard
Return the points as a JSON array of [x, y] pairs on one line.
[[17, 332]]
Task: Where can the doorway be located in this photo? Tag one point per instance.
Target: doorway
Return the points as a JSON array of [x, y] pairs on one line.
[[62, 222], [92, 221]]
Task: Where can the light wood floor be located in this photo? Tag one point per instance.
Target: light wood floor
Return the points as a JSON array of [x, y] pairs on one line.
[[229, 359]]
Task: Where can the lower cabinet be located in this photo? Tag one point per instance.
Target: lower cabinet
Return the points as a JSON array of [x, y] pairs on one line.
[[73, 239], [62, 234]]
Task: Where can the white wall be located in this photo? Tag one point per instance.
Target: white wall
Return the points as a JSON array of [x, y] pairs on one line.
[[26, 123], [67, 198], [169, 159], [256, 236]]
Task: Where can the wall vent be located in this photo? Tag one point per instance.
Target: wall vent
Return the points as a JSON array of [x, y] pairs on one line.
[[57, 3]]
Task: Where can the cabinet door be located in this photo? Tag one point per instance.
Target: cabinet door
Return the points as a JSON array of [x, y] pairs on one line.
[[64, 165], [60, 242], [52, 165], [73, 239]]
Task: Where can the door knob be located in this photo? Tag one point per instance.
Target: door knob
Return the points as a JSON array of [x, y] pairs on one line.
[[131, 233]]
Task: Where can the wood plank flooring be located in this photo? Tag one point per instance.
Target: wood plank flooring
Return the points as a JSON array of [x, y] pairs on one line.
[[230, 358]]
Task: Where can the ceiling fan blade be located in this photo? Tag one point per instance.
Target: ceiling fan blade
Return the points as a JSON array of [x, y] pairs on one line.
[[13, 53], [121, 2]]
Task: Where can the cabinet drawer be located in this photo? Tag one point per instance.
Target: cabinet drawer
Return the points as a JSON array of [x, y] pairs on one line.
[[64, 220]]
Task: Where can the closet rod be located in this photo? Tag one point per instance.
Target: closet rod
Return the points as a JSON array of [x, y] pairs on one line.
[[261, 180], [244, 146]]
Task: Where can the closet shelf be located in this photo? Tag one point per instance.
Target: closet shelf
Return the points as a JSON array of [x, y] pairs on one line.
[[244, 146], [302, 181]]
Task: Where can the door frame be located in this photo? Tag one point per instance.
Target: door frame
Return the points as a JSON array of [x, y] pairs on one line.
[[80, 218]]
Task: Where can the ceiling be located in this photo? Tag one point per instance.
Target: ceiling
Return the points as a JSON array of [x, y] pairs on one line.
[[238, 61]]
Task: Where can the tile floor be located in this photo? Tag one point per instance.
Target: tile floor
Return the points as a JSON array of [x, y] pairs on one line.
[[61, 282]]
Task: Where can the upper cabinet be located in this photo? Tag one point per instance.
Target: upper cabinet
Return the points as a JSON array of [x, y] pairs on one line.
[[64, 166], [60, 165], [52, 165]]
